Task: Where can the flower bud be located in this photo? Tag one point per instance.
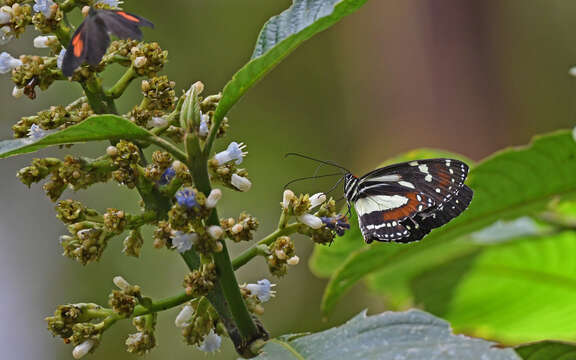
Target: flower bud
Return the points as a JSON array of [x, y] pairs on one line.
[[184, 317], [122, 283], [17, 92], [213, 198], [311, 221], [287, 198], [215, 232], [43, 42], [140, 61], [317, 200], [83, 349], [294, 260], [240, 182]]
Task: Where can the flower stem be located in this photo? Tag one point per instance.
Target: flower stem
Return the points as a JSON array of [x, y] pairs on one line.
[[252, 251], [118, 89]]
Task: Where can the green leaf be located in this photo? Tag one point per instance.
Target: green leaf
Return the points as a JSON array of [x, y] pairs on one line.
[[326, 259], [411, 335], [95, 128], [279, 37], [547, 350], [513, 292], [512, 183]]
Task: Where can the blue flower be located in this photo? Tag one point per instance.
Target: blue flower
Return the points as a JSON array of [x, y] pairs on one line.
[[167, 176], [182, 241], [186, 198], [339, 224], [36, 132], [203, 129], [211, 342], [7, 63], [234, 152], [111, 3], [43, 6], [263, 289]]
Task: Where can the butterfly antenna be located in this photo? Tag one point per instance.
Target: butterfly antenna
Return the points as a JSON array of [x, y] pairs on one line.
[[335, 185], [309, 178], [317, 160]]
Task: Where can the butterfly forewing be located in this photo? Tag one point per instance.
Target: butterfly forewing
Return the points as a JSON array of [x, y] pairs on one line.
[[403, 202]]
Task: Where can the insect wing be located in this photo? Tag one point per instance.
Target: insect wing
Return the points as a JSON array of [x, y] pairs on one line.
[[76, 51], [122, 24]]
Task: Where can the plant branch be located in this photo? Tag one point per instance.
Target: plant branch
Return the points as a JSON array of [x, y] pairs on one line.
[[168, 146], [118, 89], [252, 251]]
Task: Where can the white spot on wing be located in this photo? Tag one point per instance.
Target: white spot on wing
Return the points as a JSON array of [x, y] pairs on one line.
[[428, 178], [406, 184], [379, 203], [413, 163], [423, 168]]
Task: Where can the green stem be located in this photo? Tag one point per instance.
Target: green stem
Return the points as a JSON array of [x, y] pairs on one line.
[[251, 252], [137, 221], [118, 89]]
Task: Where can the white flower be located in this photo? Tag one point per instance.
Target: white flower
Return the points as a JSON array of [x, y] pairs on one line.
[[215, 232], [17, 92], [36, 132], [213, 198], [60, 58], [157, 122], [240, 182], [182, 241], [294, 260], [311, 221], [42, 42], [236, 229], [43, 6], [211, 342], [203, 128], [317, 200], [5, 15], [111, 3], [287, 197], [263, 289], [121, 283], [140, 61], [134, 339], [234, 152], [184, 316], [83, 349], [7, 63]]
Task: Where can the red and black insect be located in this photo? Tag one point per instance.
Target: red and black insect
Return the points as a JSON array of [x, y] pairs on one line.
[[91, 40]]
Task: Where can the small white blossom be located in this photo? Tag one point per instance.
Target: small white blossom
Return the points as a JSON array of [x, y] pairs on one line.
[[203, 128], [157, 122], [43, 6], [36, 132], [83, 349], [240, 182], [60, 58], [121, 283], [17, 92], [215, 232], [42, 42], [311, 221], [5, 15], [213, 198], [211, 342], [182, 241], [134, 339], [294, 260], [236, 229], [317, 200], [6, 35], [280, 254], [263, 290], [140, 61], [7, 63], [235, 152], [184, 317], [287, 197], [111, 3]]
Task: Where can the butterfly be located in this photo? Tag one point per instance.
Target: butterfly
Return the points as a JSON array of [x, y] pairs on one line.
[[405, 201], [91, 40]]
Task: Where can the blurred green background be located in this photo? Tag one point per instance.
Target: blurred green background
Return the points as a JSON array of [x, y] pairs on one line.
[[463, 75]]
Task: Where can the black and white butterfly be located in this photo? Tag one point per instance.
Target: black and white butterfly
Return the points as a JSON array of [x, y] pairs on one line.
[[91, 40], [404, 202]]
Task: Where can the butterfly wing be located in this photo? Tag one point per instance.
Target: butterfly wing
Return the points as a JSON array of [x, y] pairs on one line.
[[404, 202], [88, 45], [122, 24]]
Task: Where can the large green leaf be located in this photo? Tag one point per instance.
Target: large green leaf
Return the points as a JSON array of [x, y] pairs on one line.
[[512, 183], [279, 37], [95, 128], [547, 350], [326, 259], [411, 335], [514, 292]]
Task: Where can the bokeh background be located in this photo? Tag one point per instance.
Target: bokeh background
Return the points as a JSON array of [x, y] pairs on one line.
[[462, 75]]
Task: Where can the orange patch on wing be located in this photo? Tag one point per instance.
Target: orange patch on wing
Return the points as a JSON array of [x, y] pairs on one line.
[[409, 209], [128, 16], [445, 179], [78, 45]]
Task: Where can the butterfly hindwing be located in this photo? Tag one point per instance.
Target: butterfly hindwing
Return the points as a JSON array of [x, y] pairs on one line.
[[403, 202]]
